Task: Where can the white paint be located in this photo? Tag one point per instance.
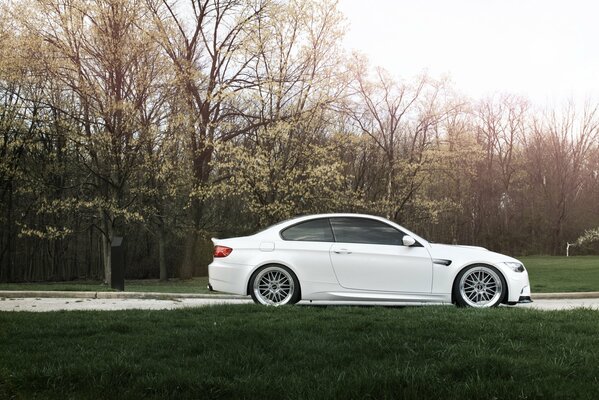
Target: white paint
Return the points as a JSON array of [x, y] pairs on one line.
[[388, 268]]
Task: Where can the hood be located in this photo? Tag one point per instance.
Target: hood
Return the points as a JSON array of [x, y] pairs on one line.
[[473, 253], [467, 247], [454, 247]]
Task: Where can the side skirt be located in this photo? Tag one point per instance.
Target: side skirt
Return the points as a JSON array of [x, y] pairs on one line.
[[380, 297]]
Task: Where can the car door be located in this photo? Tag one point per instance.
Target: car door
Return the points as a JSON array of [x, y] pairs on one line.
[[306, 247], [369, 254]]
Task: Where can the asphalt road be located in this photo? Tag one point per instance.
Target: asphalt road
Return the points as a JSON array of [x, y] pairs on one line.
[[56, 304]]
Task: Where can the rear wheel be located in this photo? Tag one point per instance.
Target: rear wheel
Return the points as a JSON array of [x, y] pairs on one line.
[[274, 285], [479, 286]]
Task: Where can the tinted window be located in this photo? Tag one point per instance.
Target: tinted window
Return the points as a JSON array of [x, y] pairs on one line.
[[362, 230], [316, 230]]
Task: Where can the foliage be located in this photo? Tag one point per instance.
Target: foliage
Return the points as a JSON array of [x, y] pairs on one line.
[[589, 236], [281, 173], [169, 122]]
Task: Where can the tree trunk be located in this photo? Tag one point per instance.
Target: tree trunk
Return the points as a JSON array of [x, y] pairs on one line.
[[7, 250], [201, 166], [161, 253], [107, 246], [191, 255], [389, 189]]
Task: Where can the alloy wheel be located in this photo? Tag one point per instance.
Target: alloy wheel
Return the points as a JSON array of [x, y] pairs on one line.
[[273, 286], [481, 287]]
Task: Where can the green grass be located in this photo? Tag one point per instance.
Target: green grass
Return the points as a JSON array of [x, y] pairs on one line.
[[300, 352], [195, 285], [549, 274]]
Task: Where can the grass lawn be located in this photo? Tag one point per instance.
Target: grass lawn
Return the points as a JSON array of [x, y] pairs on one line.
[[298, 352], [195, 285], [547, 274], [562, 274]]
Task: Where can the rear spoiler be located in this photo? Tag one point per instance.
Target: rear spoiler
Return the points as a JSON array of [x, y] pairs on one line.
[[215, 241]]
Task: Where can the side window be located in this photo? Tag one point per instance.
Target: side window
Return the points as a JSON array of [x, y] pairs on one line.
[[362, 230], [315, 230]]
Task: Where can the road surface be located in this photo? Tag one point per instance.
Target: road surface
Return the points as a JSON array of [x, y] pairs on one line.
[[56, 304]]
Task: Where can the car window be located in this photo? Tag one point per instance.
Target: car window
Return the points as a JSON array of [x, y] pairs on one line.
[[363, 230], [315, 230]]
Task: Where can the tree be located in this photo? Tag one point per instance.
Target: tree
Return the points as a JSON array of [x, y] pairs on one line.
[[449, 188], [99, 51], [240, 66], [31, 150], [500, 130], [287, 163], [279, 177], [558, 149], [400, 119], [205, 42]]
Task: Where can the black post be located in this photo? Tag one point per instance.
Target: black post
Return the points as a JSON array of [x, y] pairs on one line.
[[117, 261]]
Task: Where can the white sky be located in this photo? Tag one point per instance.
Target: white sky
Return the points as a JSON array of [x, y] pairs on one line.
[[546, 50]]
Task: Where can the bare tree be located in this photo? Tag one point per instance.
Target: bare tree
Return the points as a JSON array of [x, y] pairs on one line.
[[401, 120], [501, 129], [559, 149]]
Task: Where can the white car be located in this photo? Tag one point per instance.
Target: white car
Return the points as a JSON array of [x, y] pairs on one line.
[[361, 258]]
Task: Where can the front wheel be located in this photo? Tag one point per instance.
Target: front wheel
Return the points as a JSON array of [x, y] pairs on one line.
[[479, 286], [274, 285]]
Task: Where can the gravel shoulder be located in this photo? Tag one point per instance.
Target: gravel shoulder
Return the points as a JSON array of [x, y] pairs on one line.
[[42, 304], [161, 296]]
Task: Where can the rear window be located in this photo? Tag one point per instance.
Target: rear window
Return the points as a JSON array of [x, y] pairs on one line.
[[315, 230]]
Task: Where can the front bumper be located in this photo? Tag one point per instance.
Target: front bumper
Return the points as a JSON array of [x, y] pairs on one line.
[[524, 299], [518, 285]]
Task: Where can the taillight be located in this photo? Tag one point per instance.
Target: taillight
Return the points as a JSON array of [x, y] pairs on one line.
[[222, 251]]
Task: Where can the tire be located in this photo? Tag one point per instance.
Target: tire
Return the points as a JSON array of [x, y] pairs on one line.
[[274, 285], [479, 286]]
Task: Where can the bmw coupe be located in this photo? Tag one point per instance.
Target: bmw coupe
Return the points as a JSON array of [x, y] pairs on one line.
[[362, 258]]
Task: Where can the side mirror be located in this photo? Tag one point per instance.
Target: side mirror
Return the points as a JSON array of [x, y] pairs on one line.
[[408, 240]]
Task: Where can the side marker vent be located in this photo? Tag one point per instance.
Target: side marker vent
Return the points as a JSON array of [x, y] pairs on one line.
[[441, 261]]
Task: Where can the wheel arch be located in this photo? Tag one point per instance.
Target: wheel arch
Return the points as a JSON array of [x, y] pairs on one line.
[[505, 298], [274, 263]]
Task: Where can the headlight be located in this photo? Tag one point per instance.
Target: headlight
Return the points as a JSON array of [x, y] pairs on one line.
[[515, 266]]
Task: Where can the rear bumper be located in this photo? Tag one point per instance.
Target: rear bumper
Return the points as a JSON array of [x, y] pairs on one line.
[[228, 278]]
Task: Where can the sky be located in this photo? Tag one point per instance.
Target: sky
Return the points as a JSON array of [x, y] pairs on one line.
[[545, 50]]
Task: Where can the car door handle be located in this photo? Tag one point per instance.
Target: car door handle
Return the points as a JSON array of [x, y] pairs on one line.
[[342, 251]]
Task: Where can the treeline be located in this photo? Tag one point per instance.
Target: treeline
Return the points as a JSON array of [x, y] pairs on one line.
[[169, 122]]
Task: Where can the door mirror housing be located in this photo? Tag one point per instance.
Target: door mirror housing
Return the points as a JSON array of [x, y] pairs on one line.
[[408, 240]]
